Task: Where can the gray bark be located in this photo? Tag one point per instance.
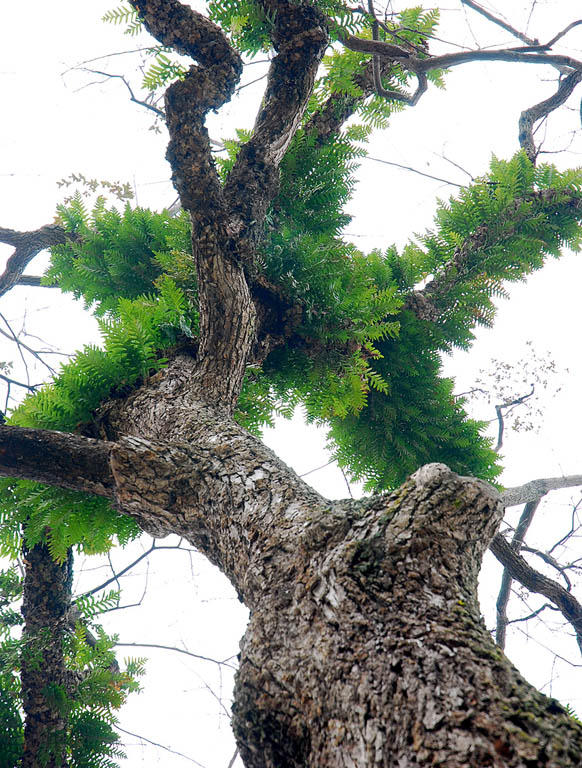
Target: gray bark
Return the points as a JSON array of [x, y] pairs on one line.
[[365, 644]]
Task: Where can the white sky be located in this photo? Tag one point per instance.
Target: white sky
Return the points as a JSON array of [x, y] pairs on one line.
[[57, 122]]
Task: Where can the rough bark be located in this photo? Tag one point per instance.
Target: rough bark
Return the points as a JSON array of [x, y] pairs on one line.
[[45, 607], [365, 644], [79, 463]]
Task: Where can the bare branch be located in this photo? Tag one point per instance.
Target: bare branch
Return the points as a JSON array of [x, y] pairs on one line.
[[447, 60], [500, 23], [499, 411], [553, 562], [562, 33], [160, 746], [413, 170], [525, 520], [535, 489], [176, 650], [27, 245], [8, 380], [117, 574], [132, 96], [530, 116], [531, 579]]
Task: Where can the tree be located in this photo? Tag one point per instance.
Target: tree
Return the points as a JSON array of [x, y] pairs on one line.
[[365, 644]]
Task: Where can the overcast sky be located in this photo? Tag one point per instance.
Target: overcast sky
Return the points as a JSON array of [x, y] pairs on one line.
[[58, 120]]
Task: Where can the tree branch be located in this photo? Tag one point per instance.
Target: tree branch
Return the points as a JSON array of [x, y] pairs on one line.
[[530, 116], [27, 245], [176, 650], [500, 23], [207, 86], [430, 303], [34, 281], [521, 571], [535, 489], [56, 458], [227, 313], [525, 520], [300, 38], [132, 96], [499, 411]]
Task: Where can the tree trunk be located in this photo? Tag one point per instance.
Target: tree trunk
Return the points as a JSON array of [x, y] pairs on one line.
[[365, 644], [45, 607]]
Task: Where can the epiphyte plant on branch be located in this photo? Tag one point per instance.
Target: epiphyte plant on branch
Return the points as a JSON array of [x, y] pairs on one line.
[[249, 302]]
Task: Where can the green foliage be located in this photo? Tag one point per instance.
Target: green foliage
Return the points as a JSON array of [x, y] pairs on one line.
[[246, 23], [127, 15], [411, 29], [118, 254], [416, 421], [162, 72], [249, 27], [501, 228], [358, 359]]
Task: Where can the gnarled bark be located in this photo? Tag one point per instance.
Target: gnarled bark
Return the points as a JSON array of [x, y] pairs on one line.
[[365, 644], [45, 607]]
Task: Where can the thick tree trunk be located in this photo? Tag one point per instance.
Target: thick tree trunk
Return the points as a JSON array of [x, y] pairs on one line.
[[45, 607], [365, 644]]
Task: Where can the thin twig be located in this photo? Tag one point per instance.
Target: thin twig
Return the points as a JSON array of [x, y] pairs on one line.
[[413, 170], [500, 23], [177, 650], [141, 102], [160, 746]]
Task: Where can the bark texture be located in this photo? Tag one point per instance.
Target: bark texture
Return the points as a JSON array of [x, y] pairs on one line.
[[45, 607], [365, 644]]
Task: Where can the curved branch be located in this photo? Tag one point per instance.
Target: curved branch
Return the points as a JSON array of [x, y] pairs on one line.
[[499, 411], [535, 489], [207, 86], [27, 245], [300, 38], [530, 116], [521, 571]]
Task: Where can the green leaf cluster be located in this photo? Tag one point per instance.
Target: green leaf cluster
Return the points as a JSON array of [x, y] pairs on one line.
[[499, 229], [124, 14]]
